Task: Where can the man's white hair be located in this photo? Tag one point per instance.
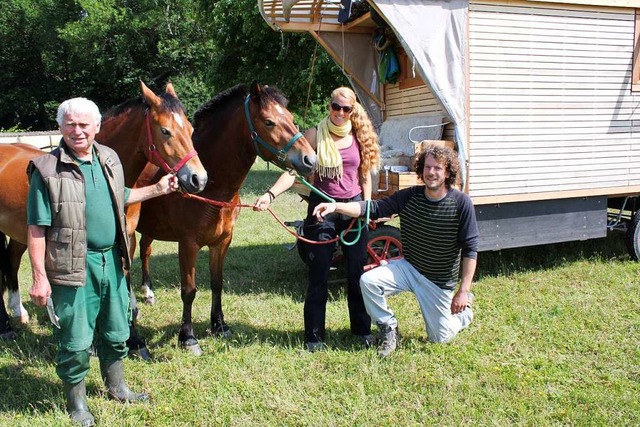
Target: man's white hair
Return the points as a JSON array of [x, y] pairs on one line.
[[78, 106]]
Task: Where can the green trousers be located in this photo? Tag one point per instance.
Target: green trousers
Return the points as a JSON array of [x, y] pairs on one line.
[[101, 307]]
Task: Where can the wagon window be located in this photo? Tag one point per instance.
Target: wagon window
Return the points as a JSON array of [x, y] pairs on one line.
[[636, 55], [407, 79]]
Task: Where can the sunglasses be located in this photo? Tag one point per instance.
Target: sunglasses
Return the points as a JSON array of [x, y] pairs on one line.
[[338, 107]]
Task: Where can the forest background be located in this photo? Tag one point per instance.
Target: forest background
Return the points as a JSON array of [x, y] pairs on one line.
[[52, 50]]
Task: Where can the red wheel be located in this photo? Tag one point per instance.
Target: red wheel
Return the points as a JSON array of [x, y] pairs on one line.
[[384, 244]]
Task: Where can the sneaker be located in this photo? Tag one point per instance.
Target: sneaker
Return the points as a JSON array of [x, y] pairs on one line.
[[315, 346], [470, 298], [388, 340], [368, 341]]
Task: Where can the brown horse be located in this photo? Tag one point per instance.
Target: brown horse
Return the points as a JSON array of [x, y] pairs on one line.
[[230, 131], [152, 128]]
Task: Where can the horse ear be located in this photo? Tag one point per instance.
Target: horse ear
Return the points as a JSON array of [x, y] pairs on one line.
[[255, 89], [169, 89], [152, 99]]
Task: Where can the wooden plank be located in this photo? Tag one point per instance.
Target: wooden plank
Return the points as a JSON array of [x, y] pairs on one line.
[[500, 191], [536, 18], [502, 123], [603, 6], [630, 190], [496, 174], [610, 3], [553, 152], [500, 131], [566, 99], [494, 70], [540, 93], [594, 145], [498, 108], [484, 27], [488, 137], [412, 111], [572, 115], [528, 184]]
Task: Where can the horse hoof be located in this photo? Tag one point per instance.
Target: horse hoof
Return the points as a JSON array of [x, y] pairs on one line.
[[151, 300], [140, 353], [8, 336], [193, 348]]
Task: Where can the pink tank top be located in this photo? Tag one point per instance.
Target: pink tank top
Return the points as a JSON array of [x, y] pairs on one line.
[[349, 185]]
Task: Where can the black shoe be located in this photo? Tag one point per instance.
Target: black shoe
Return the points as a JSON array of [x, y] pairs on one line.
[[388, 340], [76, 395], [113, 377]]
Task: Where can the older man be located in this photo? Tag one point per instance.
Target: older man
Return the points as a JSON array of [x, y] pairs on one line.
[[76, 238]]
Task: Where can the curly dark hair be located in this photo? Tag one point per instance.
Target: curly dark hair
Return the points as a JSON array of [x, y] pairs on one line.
[[441, 154]]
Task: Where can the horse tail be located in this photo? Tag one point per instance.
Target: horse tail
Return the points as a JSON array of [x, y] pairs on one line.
[[5, 263]]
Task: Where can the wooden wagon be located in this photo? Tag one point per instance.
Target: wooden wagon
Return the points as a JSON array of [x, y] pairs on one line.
[[540, 97]]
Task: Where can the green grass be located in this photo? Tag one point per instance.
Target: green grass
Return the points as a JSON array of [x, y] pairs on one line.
[[554, 342]]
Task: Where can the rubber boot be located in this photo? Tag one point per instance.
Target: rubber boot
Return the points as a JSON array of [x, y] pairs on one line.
[[113, 376], [76, 395]]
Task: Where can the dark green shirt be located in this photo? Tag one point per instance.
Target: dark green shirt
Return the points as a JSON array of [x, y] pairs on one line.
[[99, 208]]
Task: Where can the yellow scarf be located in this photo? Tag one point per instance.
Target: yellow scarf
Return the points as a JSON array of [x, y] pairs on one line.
[[329, 160]]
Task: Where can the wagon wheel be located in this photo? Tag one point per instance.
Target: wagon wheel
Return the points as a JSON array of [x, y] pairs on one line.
[[384, 244], [632, 238]]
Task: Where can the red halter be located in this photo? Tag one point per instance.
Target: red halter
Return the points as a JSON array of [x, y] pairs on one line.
[[158, 157]]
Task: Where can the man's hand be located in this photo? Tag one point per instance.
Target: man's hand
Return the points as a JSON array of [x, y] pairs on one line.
[[168, 184], [40, 291], [459, 302], [324, 209]]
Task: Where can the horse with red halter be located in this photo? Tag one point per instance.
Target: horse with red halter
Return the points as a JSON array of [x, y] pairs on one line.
[[230, 131], [149, 129]]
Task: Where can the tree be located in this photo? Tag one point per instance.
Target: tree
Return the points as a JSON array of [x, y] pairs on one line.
[[100, 49], [247, 49], [29, 55]]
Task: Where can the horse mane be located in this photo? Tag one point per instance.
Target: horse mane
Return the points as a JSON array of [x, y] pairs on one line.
[[268, 94], [169, 103]]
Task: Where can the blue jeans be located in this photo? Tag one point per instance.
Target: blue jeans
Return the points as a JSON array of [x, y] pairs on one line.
[[435, 303]]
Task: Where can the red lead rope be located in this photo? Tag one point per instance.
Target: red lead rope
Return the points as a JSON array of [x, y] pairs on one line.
[[223, 205]]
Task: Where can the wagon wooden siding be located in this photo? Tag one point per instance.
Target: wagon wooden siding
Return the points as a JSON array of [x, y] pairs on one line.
[[412, 101], [550, 102]]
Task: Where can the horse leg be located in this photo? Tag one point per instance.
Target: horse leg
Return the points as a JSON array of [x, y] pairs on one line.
[[6, 332], [145, 255], [16, 250], [216, 261], [187, 253], [137, 345]]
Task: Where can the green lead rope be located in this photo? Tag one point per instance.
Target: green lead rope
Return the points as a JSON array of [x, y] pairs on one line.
[[361, 223]]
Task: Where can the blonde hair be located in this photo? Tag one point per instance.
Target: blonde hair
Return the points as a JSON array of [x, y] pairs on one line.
[[362, 128]]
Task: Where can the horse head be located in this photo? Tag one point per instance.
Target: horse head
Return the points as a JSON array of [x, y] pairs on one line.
[[169, 139], [275, 136]]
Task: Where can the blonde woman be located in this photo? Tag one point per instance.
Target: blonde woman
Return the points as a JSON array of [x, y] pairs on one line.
[[348, 153]]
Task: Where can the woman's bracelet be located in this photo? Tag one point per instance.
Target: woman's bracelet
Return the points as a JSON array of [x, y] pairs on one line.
[[271, 195]]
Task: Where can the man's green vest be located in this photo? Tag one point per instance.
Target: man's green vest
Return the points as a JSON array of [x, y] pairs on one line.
[[66, 238]]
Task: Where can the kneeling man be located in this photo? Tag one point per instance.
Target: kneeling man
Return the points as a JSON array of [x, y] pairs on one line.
[[438, 231]]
